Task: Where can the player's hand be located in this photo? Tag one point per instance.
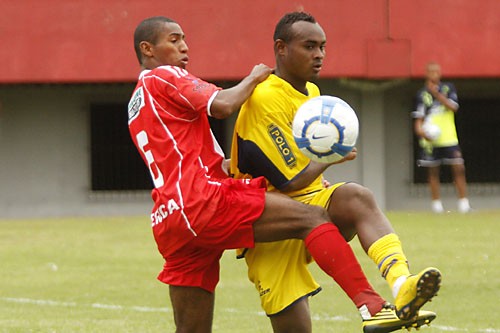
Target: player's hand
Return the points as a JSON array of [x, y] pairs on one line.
[[260, 72], [433, 88], [326, 183], [349, 157], [426, 138]]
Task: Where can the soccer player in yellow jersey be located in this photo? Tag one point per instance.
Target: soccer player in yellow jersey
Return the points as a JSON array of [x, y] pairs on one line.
[[436, 104], [263, 145]]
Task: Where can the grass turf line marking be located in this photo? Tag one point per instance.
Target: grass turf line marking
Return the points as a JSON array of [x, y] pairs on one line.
[[44, 302]]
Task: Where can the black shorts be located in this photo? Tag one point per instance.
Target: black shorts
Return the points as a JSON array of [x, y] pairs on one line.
[[437, 156]]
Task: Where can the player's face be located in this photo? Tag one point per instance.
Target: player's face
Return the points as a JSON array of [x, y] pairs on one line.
[[306, 51], [433, 73], [171, 47]]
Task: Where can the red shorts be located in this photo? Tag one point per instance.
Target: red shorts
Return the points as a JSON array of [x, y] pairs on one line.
[[196, 264]]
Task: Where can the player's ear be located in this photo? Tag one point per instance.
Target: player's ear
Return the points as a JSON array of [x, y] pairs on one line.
[[146, 48], [279, 47]]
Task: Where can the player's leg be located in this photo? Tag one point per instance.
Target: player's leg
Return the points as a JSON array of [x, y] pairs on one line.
[[353, 206], [294, 319], [433, 179], [456, 162], [458, 172], [193, 309], [192, 274], [286, 218], [431, 158], [354, 210], [434, 182]]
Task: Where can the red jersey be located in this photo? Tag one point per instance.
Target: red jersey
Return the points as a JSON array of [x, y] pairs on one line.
[[168, 122]]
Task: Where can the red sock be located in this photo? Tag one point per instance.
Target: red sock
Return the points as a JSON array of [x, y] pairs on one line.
[[336, 258]]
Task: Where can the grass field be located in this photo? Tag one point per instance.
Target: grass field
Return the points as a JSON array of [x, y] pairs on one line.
[[99, 275]]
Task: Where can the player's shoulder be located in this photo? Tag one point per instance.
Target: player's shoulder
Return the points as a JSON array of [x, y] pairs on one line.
[[267, 96], [268, 87], [275, 89], [167, 72]]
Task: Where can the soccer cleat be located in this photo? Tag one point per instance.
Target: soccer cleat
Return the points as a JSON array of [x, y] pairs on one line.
[[437, 206], [463, 206], [416, 291], [386, 321]]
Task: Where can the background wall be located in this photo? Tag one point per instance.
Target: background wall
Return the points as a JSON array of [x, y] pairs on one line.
[[61, 56], [45, 153], [91, 41]]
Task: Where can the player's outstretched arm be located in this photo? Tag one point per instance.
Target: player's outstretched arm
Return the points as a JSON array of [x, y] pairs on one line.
[[313, 171], [230, 100], [306, 177]]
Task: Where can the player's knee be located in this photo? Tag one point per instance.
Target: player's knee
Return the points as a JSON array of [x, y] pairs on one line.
[[458, 169], [356, 196]]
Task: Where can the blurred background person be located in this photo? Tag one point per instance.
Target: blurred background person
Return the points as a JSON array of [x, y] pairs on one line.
[[436, 105]]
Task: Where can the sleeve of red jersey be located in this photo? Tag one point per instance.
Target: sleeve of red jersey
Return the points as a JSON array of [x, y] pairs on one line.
[[186, 90]]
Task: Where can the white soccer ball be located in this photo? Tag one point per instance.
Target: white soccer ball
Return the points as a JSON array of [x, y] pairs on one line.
[[431, 130], [325, 129]]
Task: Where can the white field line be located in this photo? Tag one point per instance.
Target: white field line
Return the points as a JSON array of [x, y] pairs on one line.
[[456, 329], [315, 317], [46, 302]]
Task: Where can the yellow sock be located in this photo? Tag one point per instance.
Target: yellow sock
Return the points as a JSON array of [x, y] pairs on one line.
[[387, 253]]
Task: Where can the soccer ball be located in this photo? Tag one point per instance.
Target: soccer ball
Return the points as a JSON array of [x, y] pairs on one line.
[[431, 130], [325, 129]]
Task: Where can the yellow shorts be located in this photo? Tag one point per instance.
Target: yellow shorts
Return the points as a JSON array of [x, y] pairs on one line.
[[279, 269]]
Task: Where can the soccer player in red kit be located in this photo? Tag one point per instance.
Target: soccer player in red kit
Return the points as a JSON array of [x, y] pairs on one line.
[[198, 210]]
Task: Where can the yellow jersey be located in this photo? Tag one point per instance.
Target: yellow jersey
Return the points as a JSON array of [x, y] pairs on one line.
[[430, 110], [263, 143]]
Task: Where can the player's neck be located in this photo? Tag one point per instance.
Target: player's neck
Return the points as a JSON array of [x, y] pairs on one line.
[[297, 84]]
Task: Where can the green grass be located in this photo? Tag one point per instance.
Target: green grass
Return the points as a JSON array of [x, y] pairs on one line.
[[99, 275]]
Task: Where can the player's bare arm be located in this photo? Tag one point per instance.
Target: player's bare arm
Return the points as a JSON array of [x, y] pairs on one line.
[[230, 100], [418, 126], [306, 177], [434, 90], [313, 171], [419, 131], [445, 101]]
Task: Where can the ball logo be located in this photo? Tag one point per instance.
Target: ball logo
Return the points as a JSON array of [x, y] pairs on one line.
[[325, 129]]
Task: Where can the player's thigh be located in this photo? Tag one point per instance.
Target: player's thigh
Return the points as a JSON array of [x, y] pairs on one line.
[[285, 218], [193, 309], [323, 198], [350, 204], [433, 173], [457, 169], [295, 319]]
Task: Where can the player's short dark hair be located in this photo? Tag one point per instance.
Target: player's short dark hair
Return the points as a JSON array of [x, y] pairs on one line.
[[148, 31], [283, 31]]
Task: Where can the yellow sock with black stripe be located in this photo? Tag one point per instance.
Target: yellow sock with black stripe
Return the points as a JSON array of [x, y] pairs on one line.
[[387, 253]]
